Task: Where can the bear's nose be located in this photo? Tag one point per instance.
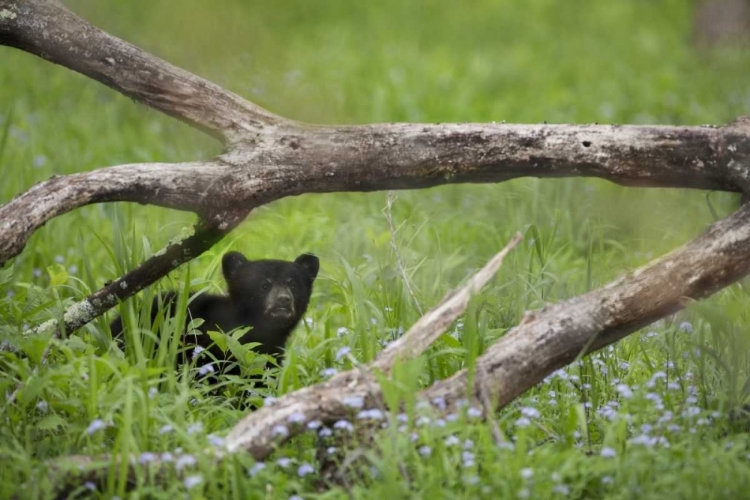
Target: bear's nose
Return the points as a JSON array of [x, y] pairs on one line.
[[284, 301]]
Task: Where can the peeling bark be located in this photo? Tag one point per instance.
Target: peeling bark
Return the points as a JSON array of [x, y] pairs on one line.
[[267, 157]]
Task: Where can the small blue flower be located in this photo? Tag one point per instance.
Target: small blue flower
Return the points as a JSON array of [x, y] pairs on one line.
[[95, 425], [530, 412], [215, 440], [284, 462], [198, 349], [39, 161], [90, 486], [296, 418], [423, 420], [256, 468], [425, 451], [184, 461], [686, 327], [342, 352], [474, 412], [439, 402], [195, 428], [166, 428], [270, 400], [561, 489], [353, 401], [325, 432], [314, 424], [527, 473], [344, 424], [192, 481], [452, 440], [146, 457], [624, 390], [305, 469], [280, 430], [372, 413], [206, 369], [523, 422], [607, 452], [328, 372]]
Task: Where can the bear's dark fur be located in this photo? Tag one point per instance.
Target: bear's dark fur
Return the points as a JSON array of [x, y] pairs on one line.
[[269, 295]]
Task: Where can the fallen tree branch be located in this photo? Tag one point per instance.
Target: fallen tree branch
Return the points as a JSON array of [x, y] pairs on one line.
[[554, 336], [268, 157], [397, 156], [333, 393], [327, 401], [545, 341]]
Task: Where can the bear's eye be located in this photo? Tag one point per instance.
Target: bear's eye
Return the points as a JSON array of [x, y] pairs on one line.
[[291, 283], [266, 285]]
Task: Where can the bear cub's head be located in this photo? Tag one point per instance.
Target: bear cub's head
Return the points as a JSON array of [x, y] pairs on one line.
[[276, 290]]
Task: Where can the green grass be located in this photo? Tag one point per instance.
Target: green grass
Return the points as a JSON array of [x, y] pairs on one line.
[[580, 434]]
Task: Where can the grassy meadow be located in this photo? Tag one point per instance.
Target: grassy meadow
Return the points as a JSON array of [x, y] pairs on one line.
[[656, 416]]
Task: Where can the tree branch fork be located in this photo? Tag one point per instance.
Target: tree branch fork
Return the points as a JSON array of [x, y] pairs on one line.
[[267, 157]]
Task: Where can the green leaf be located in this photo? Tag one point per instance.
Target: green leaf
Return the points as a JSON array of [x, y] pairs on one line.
[[51, 423], [57, 275], [220, 339]]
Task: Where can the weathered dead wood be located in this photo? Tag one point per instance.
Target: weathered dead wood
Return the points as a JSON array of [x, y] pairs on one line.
[[359, 381], [544, 341], [268, 157], [327, 401]]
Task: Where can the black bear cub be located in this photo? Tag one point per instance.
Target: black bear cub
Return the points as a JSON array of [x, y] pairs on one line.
[[269, 295]]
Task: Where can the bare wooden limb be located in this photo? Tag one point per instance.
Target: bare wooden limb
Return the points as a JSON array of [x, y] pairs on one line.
[[545, 340], [328, 401], [169, 258], [553, 337], [397, 156], [185, 186], [268, 157]]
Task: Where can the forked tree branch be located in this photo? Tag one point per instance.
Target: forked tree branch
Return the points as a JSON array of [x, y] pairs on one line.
[[268, 157], [543, 342]]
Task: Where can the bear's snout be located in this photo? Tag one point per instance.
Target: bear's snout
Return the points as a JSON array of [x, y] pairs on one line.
[[280, 303]]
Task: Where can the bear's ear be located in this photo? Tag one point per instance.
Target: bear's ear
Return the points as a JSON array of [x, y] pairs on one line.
[[309, 263], [231, 262]]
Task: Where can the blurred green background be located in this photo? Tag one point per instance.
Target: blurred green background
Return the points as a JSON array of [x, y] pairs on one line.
[[336, 61]]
